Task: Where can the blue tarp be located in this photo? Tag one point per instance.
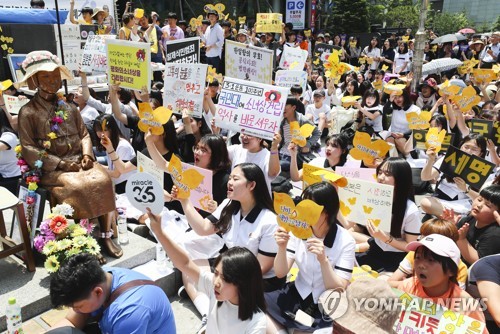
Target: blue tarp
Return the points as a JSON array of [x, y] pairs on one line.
[[31, 16]]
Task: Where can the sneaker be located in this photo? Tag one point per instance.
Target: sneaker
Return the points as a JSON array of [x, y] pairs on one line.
[[182, 293], [203, 325]]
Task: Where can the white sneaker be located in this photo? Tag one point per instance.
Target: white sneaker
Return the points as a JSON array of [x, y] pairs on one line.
[[203, 325]]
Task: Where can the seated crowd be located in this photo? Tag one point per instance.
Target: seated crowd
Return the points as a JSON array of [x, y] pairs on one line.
[[435, 247]]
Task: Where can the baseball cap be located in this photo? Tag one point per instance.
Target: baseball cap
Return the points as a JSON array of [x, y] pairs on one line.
[[438, 244]]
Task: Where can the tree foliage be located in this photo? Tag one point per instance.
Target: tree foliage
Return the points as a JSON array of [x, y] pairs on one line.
[[449, 23], [403, 16], [349, 16]]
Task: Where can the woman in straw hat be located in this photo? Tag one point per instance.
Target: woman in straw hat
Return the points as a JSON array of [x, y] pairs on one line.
[[55, 143]]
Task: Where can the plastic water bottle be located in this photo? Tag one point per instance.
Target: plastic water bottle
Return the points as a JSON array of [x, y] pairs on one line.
[[14, 320], [161, 257], [122, 227]]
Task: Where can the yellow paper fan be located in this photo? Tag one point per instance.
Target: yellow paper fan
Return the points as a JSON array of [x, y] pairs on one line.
[[153, 119], [367, 150], [184, 180], [301, 133]]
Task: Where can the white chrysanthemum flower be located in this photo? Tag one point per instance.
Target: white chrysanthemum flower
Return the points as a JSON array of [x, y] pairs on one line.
[[63, 209]]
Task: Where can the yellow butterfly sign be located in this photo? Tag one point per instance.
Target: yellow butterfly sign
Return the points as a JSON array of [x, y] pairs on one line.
[[396, 89], [299, 218], [301, 133], [484, 75], [242, 20], [349, 101], [467, 99], [367, 150], [419, 121], [334, 67], [153, 119], [212, 74], [467, 66], [384, 67], [434, 138], [378, 84], [184, 180], [448, 89], [4, 85], [312, 174], [195, 22]]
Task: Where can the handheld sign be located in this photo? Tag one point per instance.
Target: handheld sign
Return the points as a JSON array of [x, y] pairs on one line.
[[129, 63], [467, 99], [396, 89], [472, 169], [301, 133], [145, 164], [143, 191], [349, 101], [94, 59], [299, 218], [14, 103], [367, 174], [419, 140], [293, 58], [361, 201], [480, 126], [418, 121], [153, 119], [250, 107], [186, 50], [448, 89], [367, 150], [312, 174], [248, 62], [434, 139], [483, 75], [184, 180], [288, 78], [269, 22]]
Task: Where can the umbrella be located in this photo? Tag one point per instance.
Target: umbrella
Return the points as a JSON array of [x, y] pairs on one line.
[[450, 38], [440, 65], [467, 31]]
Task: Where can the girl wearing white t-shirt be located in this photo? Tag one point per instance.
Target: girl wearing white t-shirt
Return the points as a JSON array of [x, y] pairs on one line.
[[372, 51], [106, 124], [236, 300], [401, 60], [325, 261], [388, 248], [9, 170], [371, 111]]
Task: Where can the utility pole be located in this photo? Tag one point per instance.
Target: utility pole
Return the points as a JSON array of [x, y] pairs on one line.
[[418, 56]]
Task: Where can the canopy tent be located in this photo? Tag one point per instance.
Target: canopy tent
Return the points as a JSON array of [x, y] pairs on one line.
[[31, 16]]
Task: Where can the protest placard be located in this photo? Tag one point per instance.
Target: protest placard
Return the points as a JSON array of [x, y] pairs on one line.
[[13, 103], [321, 53], [269, 22], [202, 194], [299, 218], [145, 164], [480, 126], [420, 315], [419, 140], [367, 174], [129, 63], [248, 62], [94, 58], [185, 50], [472, 169], [184, 87], [494, 134], [249, 107], [295, 13], [293, 58], [313, 174], [287, 78], [361, 201]]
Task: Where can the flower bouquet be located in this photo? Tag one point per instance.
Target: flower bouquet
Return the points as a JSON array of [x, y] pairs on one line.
[[60, 237]]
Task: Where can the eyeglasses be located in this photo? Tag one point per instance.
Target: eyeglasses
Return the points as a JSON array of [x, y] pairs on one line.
[[471, 148], [200, 149]]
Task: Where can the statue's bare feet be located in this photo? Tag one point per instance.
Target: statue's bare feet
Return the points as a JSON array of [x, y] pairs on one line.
[[111, 248], [102, 260]]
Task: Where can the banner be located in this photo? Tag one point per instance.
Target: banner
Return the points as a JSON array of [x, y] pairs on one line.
[[295, 13], [71, 40], [472, 169], [185, 50], [248, 62], [94, 59], [287, 78], [269, 22], [184, 87], [129, 63], [293, 58], [361, 201], [250, 107]]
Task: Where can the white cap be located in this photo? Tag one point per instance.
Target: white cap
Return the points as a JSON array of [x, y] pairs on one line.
[[438, 244]]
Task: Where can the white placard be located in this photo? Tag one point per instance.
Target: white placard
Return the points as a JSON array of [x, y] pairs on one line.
[[13, 103], [184, 87], [293, 58], [250, 107], [143, 191], [287, 78], [94, 58], [248, 62], [145, 164]]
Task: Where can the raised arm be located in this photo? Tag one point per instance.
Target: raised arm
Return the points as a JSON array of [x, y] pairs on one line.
[[116, 104], [177, 255], [200, 225], [429, 172], [274, 160], [72, 12], [282, 264]]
